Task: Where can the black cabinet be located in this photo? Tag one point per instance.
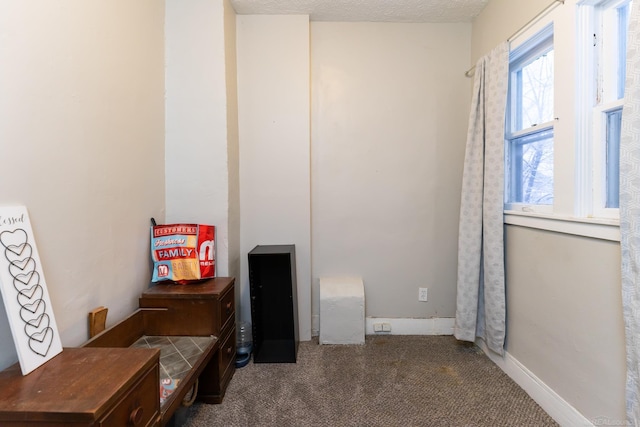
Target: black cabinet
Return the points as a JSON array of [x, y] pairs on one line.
[[274, 303]]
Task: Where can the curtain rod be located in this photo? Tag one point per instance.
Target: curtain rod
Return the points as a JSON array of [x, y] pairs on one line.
[[542, 13]]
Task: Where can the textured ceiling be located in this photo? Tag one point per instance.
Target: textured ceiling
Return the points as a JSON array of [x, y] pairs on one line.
[[366, 10]]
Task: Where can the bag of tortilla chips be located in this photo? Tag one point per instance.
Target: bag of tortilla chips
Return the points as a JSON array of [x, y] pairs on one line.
[[183, 252]]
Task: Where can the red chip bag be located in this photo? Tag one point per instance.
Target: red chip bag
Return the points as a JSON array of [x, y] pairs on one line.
[[183, 252]]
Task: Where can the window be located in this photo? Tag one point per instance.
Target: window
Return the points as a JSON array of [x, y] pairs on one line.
[[529, 123], [563, 119], [609, 21], [612, 158]]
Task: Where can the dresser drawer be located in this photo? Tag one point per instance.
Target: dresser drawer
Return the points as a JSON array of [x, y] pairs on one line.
[[140, 407], [84, 386], [227, 352], [227, 309], [209, 305]]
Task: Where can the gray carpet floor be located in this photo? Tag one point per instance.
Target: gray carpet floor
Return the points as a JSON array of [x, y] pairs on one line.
[[389, 381]]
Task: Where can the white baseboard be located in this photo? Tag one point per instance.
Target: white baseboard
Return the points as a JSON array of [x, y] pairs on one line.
[[554, 405], [433, 326], [315, 325]]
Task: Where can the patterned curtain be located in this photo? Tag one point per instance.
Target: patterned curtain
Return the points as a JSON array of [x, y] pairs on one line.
[[480, 309], [630, 216]]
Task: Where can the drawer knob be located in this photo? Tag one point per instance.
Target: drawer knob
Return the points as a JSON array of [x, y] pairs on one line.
[[229, 307], [136, 416], [229, 350]]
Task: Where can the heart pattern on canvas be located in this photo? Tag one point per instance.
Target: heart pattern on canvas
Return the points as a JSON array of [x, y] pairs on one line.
[[31, 295], [31, 311], [23, 282], [18, 253], [22, 265], [40, 342], [26, 280], [19, 249], [37, 325], [16, 237]]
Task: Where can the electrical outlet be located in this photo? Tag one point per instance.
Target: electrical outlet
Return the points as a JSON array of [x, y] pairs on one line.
[[377, 327], [386, 327], [422, 294]]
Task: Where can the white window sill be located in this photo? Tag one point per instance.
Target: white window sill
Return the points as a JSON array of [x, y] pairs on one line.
[[597, 228]]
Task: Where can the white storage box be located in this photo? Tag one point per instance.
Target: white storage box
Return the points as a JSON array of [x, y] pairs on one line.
[[341, 310]]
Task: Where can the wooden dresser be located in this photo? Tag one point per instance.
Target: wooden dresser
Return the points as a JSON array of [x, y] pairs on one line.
[[206, 308], [113, 387]]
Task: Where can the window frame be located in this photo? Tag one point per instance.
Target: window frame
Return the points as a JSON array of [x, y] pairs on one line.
[[572, 211], [532, 48], [600, 96]]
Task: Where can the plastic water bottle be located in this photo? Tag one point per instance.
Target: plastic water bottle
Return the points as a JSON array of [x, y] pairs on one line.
[[244, 344]]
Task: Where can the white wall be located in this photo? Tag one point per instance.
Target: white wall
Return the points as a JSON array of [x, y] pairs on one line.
[[198, 122], [82, 146], [564, 317], [499, 20], [273, 110], [564, 307], [390, 105], [233, 147]]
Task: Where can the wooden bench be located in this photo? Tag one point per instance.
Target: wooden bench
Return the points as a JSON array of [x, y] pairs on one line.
[[194, 328], [140, 330]]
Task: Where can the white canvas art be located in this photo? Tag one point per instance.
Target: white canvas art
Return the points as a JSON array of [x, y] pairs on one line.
[[24, 291]]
